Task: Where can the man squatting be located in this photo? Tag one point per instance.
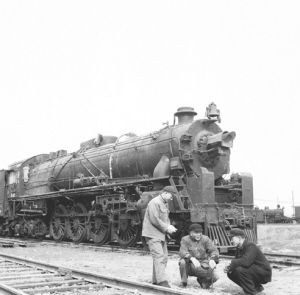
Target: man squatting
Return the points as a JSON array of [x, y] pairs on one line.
[[199, 257], [250, 268]]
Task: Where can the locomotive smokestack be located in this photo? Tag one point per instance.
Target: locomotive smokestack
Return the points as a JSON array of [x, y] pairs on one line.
[[185, 115]]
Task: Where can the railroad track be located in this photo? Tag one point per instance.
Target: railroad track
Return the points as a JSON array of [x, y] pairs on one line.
[[274, 258], [287, 260], [20, 276]]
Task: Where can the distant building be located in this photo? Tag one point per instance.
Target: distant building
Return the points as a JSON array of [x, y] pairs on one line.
[[297, 211]]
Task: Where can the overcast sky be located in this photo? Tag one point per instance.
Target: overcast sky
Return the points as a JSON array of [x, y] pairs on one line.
[[72, 69]]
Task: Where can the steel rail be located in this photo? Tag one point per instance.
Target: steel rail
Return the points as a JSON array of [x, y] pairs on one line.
[[117, 247], [108, 281], [284, 259], [282, 255]]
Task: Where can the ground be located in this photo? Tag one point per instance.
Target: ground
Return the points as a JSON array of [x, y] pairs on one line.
[[138, 267], [282, 238]]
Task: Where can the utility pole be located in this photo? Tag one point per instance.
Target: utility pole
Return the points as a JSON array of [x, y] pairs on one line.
[[293, 204]]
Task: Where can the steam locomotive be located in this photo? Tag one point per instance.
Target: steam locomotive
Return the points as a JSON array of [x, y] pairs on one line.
[[268, 215], [101, 192]]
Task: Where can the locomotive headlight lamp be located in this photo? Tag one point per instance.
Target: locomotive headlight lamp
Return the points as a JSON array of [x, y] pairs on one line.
[[224, 139], [212, 113], [228, 138]]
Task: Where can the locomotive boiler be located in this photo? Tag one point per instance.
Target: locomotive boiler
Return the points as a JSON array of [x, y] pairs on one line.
[[101, 192]]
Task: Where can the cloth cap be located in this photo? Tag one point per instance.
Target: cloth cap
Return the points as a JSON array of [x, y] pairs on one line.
[[196, 228], [236, 232], [170, 189]]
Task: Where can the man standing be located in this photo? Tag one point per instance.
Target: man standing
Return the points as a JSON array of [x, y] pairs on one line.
[[156, 226], [198, 258], [250, 268]]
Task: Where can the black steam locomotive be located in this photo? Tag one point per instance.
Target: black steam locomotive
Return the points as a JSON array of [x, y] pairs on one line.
[[100, 192], [268, 215]]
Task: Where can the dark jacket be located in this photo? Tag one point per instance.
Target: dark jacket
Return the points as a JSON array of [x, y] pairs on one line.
[[198, 249], [249, 254]]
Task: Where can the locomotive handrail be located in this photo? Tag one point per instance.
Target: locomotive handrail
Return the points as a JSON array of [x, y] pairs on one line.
[[101, 171], [225, 187], [93, 189], [109, 151], [62, 167]]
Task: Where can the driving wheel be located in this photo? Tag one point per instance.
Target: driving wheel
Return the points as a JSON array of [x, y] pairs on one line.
[[77, 223], [129, 231], [58, 224], [99, 226], [39, 229]]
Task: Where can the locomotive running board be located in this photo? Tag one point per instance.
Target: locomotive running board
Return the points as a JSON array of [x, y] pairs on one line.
[[94, 190]]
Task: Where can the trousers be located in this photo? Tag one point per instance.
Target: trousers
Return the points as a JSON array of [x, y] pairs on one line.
[[249, 278], [159, 253], [187, 268]]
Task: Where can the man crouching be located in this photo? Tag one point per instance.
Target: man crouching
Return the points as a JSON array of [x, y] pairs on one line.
[[250, 268], [198, 258]]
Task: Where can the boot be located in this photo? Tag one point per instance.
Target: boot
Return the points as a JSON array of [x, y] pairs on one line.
[[164, 284], [259, 288], [200, 282], [204, 285]]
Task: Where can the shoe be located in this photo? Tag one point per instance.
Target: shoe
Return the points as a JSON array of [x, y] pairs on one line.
[[164, 284], [183, 285], [205, 285], [259, 289], [200, 282]]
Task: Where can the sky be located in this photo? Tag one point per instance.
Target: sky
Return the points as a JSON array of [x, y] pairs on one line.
[[72, 69]]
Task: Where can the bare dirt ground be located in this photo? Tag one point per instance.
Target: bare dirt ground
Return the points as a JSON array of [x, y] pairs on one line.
[[282, 238], [138, 267]]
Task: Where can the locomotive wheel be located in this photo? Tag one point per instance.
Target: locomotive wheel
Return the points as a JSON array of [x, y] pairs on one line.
[[22, 228], [58, 224], [7, 232], [25, 230], [77, 224], [99, 227], [39, 229], [128, 233]]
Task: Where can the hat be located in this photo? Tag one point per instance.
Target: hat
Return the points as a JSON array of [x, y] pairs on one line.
[[170, 189], [196, 228], [236, 232]]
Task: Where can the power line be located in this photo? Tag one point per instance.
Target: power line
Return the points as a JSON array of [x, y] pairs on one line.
[[273, 201]]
